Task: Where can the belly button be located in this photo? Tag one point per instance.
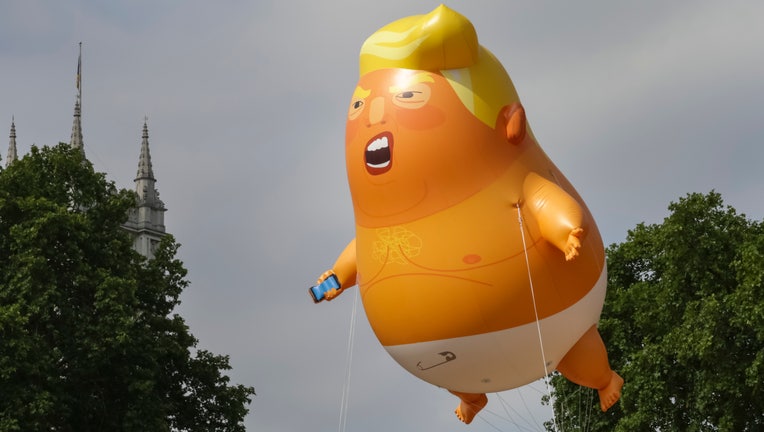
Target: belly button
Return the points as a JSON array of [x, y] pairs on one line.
[[472, 259]]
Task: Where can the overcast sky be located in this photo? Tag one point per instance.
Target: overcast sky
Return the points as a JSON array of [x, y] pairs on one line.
[[638, 103]]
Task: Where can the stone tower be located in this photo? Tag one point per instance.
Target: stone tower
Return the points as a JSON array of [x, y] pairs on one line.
[[146, 221], [11, 145], [76, 139]]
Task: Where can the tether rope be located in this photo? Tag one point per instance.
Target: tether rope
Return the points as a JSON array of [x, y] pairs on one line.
[[349, 359], [536, 314]]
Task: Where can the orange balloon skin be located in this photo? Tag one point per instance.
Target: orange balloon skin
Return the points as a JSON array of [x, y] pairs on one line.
[[452, 232], [479, 266]]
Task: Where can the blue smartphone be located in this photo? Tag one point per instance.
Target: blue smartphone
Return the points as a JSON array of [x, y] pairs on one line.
[[318, 292]]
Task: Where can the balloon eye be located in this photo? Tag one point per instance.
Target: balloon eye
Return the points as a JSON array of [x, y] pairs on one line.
[[416, 97], [356, 107]]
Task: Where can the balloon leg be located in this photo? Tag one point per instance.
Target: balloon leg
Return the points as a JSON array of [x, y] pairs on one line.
[[470, 405], [587, 364]]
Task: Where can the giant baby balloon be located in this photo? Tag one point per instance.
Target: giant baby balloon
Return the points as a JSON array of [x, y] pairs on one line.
[[467, 235]]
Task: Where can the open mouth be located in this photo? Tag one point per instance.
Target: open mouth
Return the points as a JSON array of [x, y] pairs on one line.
[[379, 154]]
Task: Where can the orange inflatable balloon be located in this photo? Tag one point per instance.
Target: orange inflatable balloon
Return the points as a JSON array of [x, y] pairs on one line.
[[468, 238]]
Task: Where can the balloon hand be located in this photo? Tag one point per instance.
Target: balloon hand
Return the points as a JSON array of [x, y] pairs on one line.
[[332, 294], [573, 244], [327, 287]]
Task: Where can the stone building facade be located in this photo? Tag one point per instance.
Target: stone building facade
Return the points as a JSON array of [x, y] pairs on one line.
[[145, 221]]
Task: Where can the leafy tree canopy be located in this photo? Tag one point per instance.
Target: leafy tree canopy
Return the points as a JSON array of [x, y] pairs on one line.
[[88, 338], [684, 326]]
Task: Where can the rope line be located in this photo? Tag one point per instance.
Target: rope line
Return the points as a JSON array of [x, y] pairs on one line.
[[531, 424], [536, 314], [349, 360]]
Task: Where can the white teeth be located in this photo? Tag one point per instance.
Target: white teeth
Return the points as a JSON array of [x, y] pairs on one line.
[[377, 144], [382, 165]]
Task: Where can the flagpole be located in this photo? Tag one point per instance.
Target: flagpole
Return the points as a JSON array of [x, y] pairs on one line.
[[79, 77]]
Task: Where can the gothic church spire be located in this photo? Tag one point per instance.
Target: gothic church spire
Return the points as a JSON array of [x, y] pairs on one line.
[[12, 155], [76, 139], [146, 221], [145, 171]]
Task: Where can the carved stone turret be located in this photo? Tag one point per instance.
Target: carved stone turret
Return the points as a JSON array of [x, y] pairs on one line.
[[146, 220], [76, 140], [12, 155]]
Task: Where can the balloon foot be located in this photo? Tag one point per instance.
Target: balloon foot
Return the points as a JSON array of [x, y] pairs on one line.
[[470, 405]]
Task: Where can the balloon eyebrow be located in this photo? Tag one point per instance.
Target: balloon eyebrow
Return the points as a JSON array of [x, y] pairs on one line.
[[361, 93], [416, 79]]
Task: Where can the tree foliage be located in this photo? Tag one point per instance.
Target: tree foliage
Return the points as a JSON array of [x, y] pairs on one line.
[[88, 338], [684, 325]]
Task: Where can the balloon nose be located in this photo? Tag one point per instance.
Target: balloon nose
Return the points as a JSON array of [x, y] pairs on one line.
[[377, 111]]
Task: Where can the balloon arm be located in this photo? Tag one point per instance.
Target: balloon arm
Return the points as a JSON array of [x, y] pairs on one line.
[[343, 274], [345, 267], [558, 214]]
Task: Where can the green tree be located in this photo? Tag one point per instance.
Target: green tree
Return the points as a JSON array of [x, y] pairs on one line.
[[684, 326], [88, 338]]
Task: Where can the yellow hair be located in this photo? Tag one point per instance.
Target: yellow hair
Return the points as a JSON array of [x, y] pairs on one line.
[[443, 41]]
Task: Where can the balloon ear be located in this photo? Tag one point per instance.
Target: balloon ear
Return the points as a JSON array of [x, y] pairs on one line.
[[514, 122]]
